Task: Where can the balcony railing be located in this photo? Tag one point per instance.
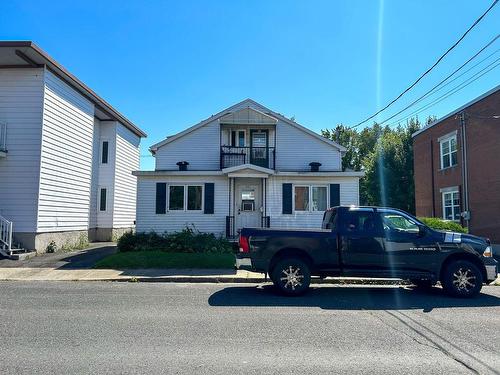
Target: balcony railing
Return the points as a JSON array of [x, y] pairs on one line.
[[261, 156], [3, 136]]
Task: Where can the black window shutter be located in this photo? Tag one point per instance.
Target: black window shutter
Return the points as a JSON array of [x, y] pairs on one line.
[[334, 195], [287, 199], [161, 198], [209, 198]]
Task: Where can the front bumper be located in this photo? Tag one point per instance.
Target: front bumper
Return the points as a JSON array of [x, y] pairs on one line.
[[491, 266], [491, 273], [243, 264]]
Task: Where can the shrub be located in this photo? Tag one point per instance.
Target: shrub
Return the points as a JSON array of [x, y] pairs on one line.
[[186, 241], [440, 224]]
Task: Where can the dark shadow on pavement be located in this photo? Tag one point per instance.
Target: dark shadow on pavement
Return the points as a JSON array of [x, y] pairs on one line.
[[349, 298], [87, 258]]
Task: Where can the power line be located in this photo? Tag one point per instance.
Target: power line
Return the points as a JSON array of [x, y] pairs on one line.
[[447, 94], [428, 93], [428, 70]]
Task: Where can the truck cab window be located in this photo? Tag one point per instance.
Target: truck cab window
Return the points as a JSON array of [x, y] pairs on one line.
[[395, 222]]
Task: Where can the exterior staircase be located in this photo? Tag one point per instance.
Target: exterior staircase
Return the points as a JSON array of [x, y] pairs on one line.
[[9, 248]]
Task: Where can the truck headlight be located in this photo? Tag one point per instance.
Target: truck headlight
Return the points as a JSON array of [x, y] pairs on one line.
[[488, 252]]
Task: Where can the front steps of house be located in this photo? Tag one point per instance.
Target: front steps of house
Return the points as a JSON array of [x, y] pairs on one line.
[[8, 248]]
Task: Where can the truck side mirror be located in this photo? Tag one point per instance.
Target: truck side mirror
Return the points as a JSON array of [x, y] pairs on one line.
[[422, 231]]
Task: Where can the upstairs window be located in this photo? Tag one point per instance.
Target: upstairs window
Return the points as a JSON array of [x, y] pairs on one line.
[[451, 205], [238, 138], [448, 148], [104, 152]]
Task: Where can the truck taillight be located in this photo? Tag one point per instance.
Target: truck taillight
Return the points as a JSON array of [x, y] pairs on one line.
[[243, 244]]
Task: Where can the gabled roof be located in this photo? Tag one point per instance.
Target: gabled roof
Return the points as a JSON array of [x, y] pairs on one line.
[[243, 167], [460, 109], [248, 116], [19, 54], [237, 106]]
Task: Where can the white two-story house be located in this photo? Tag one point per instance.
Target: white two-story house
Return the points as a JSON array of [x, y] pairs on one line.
[[246, 166], [66, 156]]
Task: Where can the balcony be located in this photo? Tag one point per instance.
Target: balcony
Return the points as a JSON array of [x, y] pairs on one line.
[[232, 156]]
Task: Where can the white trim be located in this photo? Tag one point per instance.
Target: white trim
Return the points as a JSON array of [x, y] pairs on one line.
[[176, 173], [310, 197], [185, 197], [247, 166], [155, 147], [473, 101], [448, 140], [453, 207], [448, 189], [321, 174], [106, 198], [449, 135], [101, 151]]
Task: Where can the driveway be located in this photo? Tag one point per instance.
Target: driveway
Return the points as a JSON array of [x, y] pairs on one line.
[[74, 260]]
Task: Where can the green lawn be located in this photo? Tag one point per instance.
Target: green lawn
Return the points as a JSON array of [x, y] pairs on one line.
[[160, 259]]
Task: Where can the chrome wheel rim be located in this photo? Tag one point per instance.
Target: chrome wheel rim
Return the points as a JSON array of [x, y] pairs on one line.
[[464, 279], [292, 278]]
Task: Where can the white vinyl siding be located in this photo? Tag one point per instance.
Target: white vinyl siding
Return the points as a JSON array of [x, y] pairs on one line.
[[174, 221], [125, 190], [295, 150], [21, 108], [201, 148], [66, 158], [349, 193], [95, 174]]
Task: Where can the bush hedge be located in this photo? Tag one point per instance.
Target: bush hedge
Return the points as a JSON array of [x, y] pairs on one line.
[[440, 224], [186, 241]]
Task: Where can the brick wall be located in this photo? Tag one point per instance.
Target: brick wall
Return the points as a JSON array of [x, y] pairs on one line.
[[483, 156]]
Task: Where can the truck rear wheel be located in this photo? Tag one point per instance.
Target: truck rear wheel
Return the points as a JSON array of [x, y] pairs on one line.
[[462, 279], [291, 276]]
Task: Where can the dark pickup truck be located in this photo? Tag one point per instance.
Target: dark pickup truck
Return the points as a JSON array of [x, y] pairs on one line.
[[370, 242]]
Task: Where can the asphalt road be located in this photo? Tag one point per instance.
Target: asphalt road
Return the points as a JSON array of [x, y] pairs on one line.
[[91, 327]]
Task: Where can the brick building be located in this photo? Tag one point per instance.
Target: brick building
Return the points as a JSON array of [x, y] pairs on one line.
[[446, 186]]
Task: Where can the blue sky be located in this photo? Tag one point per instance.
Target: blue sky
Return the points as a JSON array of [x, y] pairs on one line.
[[167, 65]]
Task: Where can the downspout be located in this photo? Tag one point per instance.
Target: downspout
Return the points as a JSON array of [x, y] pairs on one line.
[[465, 174], [432, 181]]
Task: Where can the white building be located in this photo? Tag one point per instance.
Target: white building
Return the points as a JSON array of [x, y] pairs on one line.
[[66, 156], [248, 166]]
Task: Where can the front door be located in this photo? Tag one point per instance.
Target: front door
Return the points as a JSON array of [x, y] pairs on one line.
[[248, 205], [259, 143]]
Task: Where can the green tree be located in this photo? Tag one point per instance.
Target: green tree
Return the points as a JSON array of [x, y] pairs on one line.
[[386, 156]]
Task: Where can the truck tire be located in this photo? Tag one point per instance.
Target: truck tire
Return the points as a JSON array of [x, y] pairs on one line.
[[462, 278], [291, 276]]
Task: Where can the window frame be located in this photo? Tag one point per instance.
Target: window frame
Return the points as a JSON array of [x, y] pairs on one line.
[[105, 199], [237, 137], [101, 154], [185, 197], [447, 140], [310, 197], [453, 207]]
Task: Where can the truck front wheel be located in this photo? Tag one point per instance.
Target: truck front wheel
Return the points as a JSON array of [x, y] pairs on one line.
[[462, 279], [291, 276]]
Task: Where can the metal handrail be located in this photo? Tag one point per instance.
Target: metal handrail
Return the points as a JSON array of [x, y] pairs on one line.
[[231, 156], [5, 235], [3, 136]]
